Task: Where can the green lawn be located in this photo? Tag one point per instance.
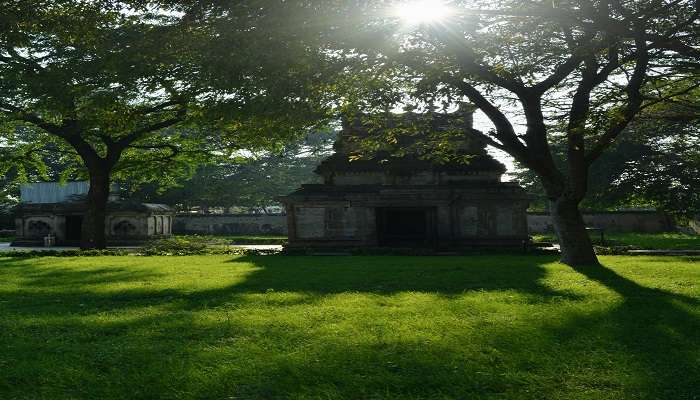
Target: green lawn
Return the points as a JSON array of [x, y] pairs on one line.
[[223, 327], [666, 240]]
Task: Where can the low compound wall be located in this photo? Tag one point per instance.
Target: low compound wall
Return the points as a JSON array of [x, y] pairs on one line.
[[256, 224], [613, 221], [230, 224]]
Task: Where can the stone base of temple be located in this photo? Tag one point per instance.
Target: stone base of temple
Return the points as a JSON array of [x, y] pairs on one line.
[[466, 215]]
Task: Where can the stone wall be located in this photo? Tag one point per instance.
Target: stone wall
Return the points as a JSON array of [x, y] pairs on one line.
[[613, 221], [253, 224], [121, 227], [230, 224]]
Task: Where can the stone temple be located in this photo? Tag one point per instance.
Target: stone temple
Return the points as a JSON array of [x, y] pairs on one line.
[[50, 208], [394, 197]]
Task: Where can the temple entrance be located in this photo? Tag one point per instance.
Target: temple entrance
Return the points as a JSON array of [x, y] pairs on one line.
[[74, 228], [406, 226]]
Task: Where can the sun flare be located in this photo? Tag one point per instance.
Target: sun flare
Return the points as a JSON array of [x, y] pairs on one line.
[[422, 11]]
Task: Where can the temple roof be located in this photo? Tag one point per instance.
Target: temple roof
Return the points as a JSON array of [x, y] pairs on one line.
[[403, 165], [403, 144]]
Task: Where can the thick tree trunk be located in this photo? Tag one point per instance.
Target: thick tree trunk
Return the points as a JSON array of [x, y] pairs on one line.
[[93, 231], [576, 247]]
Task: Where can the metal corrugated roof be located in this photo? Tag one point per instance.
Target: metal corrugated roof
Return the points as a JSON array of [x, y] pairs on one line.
[[54, 192]]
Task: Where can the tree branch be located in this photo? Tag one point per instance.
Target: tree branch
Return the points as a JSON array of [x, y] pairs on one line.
[[125, 141], [488, 139], [162, 106], [33, 119], [634, 100], [560, 73], [504, 129]]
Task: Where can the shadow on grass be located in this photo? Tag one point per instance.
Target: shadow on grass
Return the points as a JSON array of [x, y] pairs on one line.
[[654, 333], [387, 275], [658, 330], [59, 290], [242, 341], [46, 289]]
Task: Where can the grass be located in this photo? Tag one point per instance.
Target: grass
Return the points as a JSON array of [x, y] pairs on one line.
[[664, 240], [223, 327]]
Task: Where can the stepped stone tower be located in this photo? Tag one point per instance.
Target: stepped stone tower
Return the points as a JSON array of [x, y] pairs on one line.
[[431, 185]]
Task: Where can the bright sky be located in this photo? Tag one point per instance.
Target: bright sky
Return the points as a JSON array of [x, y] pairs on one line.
[[422, 11]]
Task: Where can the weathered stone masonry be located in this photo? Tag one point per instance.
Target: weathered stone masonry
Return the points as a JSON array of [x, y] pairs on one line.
[[50, 208], [407, 201]]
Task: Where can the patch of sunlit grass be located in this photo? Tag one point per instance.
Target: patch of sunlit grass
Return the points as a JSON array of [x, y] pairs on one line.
[[348, 327]]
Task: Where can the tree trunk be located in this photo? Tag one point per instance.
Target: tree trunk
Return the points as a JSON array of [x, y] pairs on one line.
[[93, 231], [576, 247]]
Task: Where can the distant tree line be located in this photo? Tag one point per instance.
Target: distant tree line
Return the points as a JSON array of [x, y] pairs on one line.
[[251, 184]]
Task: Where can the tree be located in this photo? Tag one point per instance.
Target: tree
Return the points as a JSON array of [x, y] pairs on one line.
[[655, 164], [251, 183], [119, 86], [666, 174], [578, 71]]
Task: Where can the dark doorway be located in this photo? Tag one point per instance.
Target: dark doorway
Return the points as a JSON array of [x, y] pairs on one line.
[[74, 228], [399, 226]]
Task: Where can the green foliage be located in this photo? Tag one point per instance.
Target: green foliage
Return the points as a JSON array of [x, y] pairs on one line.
[[175, 246], [196, 245], [237, 239], [161, 86], [506, 327], [146, 91], [253, 182], [656, 164], [65, 253]]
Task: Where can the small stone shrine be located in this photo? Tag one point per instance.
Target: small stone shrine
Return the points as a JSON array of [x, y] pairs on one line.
[[50, 208], [392, 197]]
